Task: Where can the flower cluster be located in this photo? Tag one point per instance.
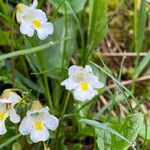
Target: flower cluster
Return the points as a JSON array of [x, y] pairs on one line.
[[81, 82], [36, 123]]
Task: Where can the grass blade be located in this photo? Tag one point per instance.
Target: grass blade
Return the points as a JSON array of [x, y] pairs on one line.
[[145, 61], [98, 22], [9, 141], [30, 50], [139, 23], [120, 87]]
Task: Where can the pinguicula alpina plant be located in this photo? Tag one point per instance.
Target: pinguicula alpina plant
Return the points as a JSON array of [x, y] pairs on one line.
[[37, 122], [8, 100], [82, 82], [32, 19]]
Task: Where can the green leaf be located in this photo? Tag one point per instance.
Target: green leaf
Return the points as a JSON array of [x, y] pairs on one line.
[[54, 56], [101, 143], [129, 128], [28, 82], [4, 38], [5, 75], [139, 23], [16, 146], [3, 8], [77, 21], [98, 22], [104, 127], [117, 136], [145, 132], [77, 147], [9, 141], [77, 5], [145, 61]]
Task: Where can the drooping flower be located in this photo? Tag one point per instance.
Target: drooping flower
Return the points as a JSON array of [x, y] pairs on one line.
[[82, 82], [32, 19], [7, 102], [37, 122]]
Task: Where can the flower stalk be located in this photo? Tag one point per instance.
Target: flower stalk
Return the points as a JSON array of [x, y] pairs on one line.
[[60, 122], [45, 80]]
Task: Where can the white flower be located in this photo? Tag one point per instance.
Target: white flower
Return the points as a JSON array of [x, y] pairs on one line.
[[82, 82], [7, 102], [32, 19], [37, 122]]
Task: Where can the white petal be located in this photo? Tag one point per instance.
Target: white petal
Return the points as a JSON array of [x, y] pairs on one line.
[[40, 15], [26, 28], [74, 69], [14, 98], [69, 84], [45, 30], [21, 9], [25, 126], [42, 110], [42, 34], [51, 122], [29, 112], [37, 136], [2, 105], [94, 82], [19, 17], [88, 69], [81, 95], [6, 101], [14, 117], [34, 4], [48, 28], [2, 128]]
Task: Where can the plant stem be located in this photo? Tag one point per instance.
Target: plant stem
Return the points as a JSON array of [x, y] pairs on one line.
[[84, 56], [12, 48], [45, 80], [65, 43], [61, 119]]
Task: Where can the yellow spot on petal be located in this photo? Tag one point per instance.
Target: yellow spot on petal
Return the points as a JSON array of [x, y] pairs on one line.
[[38, 125], [84, 86], [36, 23], [2, 116]]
